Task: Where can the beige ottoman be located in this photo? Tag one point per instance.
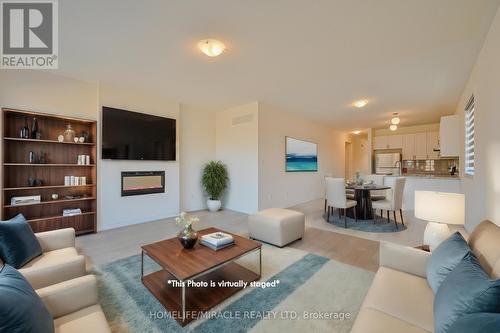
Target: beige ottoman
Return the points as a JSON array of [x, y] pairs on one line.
[[276, 226]]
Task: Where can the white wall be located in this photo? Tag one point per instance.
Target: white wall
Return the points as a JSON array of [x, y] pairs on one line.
[[45, 92], [278, 188], [483, 189], [115, 210], [237, 147], [361, 153], [197, 147]]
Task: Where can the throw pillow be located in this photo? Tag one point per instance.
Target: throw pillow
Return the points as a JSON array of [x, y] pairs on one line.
[[445, 258], [21, 310], [477, 323], [467, 289], [18, 244]]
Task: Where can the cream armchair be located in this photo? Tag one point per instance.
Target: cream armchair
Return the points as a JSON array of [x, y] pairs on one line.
[[74, 306], [59, 260]]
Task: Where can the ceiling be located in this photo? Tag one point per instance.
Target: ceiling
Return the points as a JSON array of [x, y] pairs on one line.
[[310, 57]]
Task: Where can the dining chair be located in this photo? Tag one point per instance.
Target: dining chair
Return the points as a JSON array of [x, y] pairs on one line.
[[378, 180], [394, 199], [336, 198]]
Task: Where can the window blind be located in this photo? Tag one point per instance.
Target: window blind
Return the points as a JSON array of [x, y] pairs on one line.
[[469, 137]]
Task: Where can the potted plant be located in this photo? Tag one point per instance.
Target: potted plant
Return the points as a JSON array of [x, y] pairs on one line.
[[188, 236], [214, 181]]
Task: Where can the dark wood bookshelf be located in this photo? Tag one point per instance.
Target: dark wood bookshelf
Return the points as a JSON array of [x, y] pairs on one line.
[[60, 161]]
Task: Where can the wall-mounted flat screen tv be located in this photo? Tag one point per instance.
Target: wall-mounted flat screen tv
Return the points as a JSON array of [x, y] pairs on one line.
[[128, 135]]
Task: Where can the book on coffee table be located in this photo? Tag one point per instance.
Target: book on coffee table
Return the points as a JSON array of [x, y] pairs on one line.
[[213, 247], [217, 239]]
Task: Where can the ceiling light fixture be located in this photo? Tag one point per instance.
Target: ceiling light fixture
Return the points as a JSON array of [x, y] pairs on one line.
[[393, 127], [360, 103], [395, 119], [211, 47], [356, 132]]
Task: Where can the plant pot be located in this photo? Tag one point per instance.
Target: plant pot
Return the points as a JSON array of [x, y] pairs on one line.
[[213, 205], [188, 237]]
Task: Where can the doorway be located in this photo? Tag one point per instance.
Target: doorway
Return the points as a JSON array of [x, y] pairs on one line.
[[348, 161]]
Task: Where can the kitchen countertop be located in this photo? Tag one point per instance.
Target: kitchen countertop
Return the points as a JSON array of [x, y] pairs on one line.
[[431, 176]]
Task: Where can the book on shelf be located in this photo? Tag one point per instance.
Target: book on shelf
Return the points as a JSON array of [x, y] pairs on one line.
[[214, 247], [217, 239], [30, 199], [72, 212]]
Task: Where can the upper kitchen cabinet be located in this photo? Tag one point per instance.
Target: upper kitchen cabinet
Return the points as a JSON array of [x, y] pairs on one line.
[[409, 147], [380, 142], [388, 142], [449, 129], [395, 141], [432, 145], [421, 146]]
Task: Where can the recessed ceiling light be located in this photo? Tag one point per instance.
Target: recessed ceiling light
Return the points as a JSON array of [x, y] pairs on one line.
[[393, 127], [356, 132], [211, 47], [360, 103], [395, 119]]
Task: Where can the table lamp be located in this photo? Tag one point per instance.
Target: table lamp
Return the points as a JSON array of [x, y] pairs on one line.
[[439, 209]]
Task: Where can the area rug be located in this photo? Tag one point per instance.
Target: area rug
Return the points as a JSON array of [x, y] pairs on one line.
[[313, 294], [379, 225]]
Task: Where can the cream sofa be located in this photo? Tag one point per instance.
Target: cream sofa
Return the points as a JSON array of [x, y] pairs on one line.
[[400, 300], [74, 306], [59, 261]]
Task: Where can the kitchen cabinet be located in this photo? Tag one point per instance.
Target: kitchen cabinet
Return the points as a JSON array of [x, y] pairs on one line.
[[421, 146], [395, 141], [380, 142], [449, 136], [432, 143], [388, 142], [409, 147]]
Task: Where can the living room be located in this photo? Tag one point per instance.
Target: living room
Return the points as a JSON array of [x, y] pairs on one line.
[[267, 111]]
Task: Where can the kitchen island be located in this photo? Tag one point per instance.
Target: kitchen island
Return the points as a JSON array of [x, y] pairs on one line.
[[439, 183]]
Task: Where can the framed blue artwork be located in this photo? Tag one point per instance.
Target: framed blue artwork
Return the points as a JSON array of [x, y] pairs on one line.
[[301, 156]]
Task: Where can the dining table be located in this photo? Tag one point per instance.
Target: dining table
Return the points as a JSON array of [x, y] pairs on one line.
[[362, 195]]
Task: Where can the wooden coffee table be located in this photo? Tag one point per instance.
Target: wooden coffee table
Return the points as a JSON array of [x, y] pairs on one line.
[[200, 264]]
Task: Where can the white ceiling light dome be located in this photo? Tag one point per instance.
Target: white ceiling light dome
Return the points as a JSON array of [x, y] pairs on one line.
[[211, 47], [393, 127], [395, 119]]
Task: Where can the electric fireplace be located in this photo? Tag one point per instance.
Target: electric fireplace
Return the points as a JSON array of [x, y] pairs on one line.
[[142, 182]]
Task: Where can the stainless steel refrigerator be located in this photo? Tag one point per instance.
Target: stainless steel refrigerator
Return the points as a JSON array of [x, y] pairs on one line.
[[387, 163]]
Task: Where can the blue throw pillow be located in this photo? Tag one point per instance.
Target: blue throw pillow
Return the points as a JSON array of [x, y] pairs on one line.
[[18, 243], [477, 323], [21, 310], [445, 258], [467, 289]]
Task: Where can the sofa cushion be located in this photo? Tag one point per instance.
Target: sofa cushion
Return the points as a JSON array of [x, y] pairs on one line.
[[90, 319], [21, 310], [375, 321], [467, 289], [445, 258], [18, 243], [484, 244], [401, 295], [52, 258], [482, 322]]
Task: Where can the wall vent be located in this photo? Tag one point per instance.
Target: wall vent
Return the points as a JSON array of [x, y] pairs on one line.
[[246, 118]]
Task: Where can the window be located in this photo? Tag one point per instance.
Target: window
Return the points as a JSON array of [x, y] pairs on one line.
[[469, 137]]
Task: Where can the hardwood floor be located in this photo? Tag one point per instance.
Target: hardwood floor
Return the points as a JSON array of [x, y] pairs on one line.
[[351, 250]]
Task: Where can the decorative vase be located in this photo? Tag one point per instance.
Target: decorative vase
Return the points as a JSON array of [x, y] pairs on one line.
[[188, 237], [69, 134], [213, 205]]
